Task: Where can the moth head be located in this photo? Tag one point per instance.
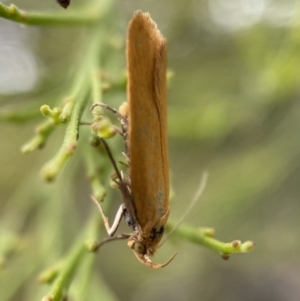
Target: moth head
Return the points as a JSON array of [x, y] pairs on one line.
[[142, 252]]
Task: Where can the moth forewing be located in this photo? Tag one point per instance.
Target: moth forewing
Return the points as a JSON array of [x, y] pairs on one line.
[[148, 147], [143, 117]]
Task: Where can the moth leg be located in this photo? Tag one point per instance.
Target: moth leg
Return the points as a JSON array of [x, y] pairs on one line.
[[111, 230], [110, 239], [116, 112]]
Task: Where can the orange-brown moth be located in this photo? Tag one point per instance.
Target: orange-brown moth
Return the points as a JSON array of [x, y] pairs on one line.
[[144, 117]]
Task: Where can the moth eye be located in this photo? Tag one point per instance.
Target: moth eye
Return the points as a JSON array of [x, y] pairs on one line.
[[139, 248]]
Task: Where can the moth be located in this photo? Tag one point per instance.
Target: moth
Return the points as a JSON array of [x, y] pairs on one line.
[[145, 188]]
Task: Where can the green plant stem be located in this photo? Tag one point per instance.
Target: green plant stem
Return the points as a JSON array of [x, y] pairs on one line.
[[94, 229], [201, 237], [19, 115], [75, 258], [80, 88], [85, 277], [94, 172], [48, 275], [75, 106], [85, 16], [92, 158], [62, 282], [43, 131], [96, 86], [53, 168]]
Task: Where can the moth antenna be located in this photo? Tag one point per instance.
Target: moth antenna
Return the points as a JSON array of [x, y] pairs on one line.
[[116, 112], [124, 164], [198, 194], [112, 159]]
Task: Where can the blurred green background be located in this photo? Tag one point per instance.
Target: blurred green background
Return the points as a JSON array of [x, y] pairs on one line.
[[233, 112]]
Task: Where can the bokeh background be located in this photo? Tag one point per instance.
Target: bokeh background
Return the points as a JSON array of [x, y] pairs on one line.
[[234, 112]]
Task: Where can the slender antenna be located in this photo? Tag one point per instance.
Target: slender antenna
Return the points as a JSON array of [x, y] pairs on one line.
[[116, 112], [112, 159], [191, 206], [122, 185]]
